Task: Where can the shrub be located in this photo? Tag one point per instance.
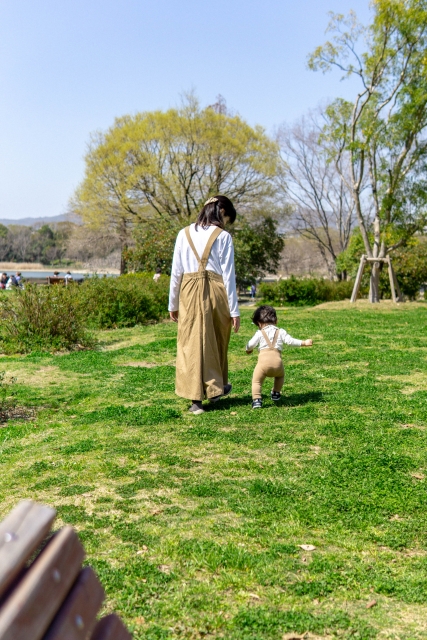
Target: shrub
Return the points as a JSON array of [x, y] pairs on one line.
[[304, 291], [42, 319], [125, 301]]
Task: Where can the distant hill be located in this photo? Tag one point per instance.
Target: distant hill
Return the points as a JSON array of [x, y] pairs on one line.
[[31, 222]]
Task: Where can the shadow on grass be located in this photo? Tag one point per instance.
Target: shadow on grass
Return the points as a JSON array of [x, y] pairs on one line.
[[292, 400], [298, 399]]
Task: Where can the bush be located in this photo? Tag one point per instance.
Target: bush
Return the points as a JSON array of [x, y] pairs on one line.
[[42, 319], [125, 301], [57, 317], [304, 291]]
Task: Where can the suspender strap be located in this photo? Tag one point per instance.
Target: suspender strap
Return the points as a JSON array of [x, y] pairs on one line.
[[276, 335], [191, 243], [271, 345], [206, 253]]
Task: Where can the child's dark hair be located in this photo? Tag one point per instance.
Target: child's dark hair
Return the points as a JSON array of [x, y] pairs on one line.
[[214, 212], [264, 315]]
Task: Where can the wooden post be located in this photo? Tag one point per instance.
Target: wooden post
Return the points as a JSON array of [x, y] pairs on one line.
[[391, 278], [358, 280]]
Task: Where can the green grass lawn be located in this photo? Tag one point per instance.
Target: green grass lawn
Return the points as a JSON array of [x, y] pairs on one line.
[[194, 523]]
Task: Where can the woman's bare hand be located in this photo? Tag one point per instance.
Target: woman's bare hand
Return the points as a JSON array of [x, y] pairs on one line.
[[236, 323], [174, 315]]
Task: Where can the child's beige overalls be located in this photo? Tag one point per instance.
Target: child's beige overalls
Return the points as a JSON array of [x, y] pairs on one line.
[[269, 365]]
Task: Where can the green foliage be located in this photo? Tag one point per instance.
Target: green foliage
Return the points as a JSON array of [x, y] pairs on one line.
[[349, 259], [125, 301], [409, 264], [42, 319], [154, 245], [304, 291], [258, 247]]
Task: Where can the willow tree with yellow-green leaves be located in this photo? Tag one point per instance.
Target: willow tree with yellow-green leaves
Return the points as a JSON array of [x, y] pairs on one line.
[[383, 130], [167, 164]]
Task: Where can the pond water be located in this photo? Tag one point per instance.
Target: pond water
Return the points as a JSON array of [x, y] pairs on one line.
[[45, 274]]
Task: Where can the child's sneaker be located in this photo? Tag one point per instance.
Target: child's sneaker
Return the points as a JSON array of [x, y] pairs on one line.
[[276, 395], [257, 404]]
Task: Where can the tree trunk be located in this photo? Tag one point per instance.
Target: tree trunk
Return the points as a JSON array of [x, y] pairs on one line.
[[123, 234], [123, 266], [374, 284]]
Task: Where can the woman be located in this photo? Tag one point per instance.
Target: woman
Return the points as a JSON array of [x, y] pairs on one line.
[[203, 300]]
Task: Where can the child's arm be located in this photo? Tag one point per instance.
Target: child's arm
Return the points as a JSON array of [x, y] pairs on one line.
[[253, 342], [293, 342]]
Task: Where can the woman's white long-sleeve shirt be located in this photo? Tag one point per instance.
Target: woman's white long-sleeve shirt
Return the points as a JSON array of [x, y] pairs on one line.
[[259, 341], [221, 261]]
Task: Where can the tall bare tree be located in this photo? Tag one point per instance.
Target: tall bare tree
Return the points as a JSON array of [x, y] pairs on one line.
[[323, 208], [383, 129]]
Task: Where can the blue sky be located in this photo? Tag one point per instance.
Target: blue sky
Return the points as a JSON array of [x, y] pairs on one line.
[[69, 67]]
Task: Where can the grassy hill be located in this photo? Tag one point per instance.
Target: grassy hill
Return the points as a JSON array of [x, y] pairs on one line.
[[195, 523]]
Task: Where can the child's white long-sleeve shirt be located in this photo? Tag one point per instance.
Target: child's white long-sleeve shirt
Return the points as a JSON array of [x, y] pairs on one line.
[[259, 341], [221, 261]]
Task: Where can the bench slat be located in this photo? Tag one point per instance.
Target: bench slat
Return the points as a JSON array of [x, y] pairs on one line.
[[21, 532], [77, 616], [29, 610], [111, 628]]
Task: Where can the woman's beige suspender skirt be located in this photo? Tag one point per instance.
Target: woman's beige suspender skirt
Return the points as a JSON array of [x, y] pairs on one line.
[[204, 327]]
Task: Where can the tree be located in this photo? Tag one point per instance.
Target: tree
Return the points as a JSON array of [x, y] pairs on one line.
[[383, 129], [257, 246], [167, 164], [153, 250], [323, 208]]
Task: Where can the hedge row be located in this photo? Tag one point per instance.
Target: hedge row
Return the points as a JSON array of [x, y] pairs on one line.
[[304, 291], [125, 301]]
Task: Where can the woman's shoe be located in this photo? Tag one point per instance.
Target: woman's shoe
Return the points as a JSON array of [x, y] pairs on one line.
[[196, 408], [227, 389], [257, 404], [276, 395]]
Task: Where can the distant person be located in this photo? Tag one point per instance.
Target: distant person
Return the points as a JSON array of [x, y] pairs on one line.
[[3, 280], [68, 277], [18, 277], [253, 291], [56, 274], [270, 340], [157, 275], [13, 281]]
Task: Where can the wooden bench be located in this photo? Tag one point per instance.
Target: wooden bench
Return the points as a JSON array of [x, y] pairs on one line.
[[45, 594], [56, 280]]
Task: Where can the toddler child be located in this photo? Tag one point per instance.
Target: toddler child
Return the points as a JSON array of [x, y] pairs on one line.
[[269, 340]]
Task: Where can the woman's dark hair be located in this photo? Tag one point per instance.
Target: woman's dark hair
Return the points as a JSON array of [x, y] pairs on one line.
[[214, 212], [264, 315]]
